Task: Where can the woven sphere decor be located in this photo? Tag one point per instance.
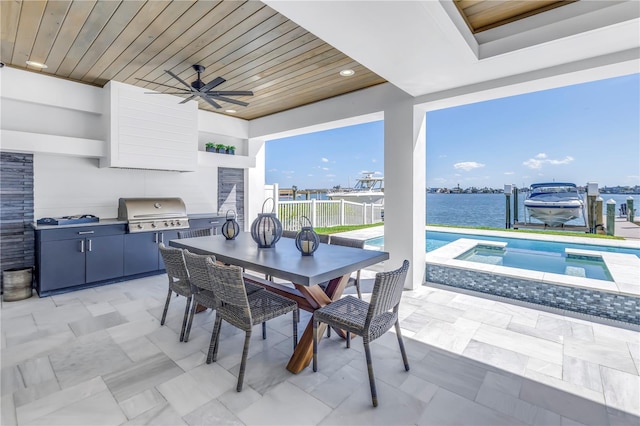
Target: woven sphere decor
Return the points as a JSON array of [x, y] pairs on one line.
[[266, 229], [230, 229], [307, 240]]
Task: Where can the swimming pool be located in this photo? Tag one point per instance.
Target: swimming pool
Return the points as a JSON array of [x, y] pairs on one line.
[[436, 239]]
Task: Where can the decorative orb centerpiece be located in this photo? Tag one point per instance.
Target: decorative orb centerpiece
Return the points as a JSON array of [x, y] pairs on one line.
[[230, 229], [307, 240], [266, 229]]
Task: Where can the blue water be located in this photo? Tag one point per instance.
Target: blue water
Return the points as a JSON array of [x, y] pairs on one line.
[[488, 209], [556, 263], [435, 239]]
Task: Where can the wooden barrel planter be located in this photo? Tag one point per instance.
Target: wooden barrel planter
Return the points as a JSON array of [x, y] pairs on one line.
[[17, 284]]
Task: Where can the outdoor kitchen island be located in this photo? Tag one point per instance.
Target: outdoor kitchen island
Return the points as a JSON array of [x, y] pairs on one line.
[[76, 256]]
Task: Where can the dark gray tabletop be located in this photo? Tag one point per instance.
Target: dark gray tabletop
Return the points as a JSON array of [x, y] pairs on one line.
[[284, 260]]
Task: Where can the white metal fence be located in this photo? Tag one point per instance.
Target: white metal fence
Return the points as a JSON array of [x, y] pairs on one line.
[[326, 213]]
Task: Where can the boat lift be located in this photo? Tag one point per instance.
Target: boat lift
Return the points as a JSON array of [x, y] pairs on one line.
[[588, 213]]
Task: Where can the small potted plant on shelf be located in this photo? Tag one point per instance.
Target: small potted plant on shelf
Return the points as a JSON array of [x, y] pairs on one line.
[[220, 148], [210, 147], [231, 150]]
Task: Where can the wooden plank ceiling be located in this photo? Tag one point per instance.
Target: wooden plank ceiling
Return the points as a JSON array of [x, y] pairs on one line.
[[482, 15], [247, 43]]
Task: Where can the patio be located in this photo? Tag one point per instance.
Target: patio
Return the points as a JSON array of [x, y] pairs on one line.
[[100, 356]]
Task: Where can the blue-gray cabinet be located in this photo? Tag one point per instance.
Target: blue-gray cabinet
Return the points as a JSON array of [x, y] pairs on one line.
[[74, 257], [214, 223], [70, 257], [141, 254]]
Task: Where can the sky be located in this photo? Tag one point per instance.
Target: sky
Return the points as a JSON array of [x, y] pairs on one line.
[[583, 133]]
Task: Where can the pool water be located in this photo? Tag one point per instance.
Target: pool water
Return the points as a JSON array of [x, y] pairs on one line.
[[557, 263], [435, 240], [535, 255]]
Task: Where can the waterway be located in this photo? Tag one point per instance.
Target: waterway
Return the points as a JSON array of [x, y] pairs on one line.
[[489, 209]]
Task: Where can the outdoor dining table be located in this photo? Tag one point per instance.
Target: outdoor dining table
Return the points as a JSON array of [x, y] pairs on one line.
[[330, 263]]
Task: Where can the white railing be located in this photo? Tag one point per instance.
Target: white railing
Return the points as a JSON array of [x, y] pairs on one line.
[[327, 213]]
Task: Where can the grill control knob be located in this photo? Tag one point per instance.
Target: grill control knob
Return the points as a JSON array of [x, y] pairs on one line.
[[153, 225], [177, 222], [139, 226], [166, 224]]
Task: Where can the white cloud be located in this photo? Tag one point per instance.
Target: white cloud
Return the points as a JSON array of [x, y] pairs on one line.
[[373, 160], [324, 168], [330, 176], [442, 156], [272, 170], [509, 173], [324, 160], [468, 165], [541, 159], [440, 180]]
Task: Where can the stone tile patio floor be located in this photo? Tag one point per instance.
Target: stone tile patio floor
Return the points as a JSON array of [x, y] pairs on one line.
[[100, 356]]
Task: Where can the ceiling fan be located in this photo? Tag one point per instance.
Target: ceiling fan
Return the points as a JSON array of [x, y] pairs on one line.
[[205, 91]]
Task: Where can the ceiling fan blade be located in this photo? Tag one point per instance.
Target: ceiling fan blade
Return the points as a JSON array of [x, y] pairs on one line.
[[231, 101], [167, 93], [213, 83], [188, 99], [231, 93], [179, 79], [210, 101], [159, 84]]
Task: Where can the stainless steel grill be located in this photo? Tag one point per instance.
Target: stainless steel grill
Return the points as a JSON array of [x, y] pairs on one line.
[[153, 214]]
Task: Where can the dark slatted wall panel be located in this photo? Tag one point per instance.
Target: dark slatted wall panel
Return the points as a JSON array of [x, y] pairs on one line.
[[231, 192], [16, 211]]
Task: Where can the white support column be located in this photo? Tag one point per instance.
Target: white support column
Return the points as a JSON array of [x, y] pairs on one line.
[[254, 185], [405, 183], [341, 211]]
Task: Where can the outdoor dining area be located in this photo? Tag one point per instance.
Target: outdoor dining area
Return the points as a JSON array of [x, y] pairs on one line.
[[212, 271]]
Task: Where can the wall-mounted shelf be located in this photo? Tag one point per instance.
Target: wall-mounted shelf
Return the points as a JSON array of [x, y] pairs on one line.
[[212, 159]]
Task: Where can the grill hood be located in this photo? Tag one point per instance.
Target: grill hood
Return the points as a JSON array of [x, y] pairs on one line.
[[153, 214]]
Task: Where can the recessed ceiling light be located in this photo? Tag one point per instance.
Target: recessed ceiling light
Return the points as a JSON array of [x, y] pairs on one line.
[[231, 111], [347, 73], [36, 64]]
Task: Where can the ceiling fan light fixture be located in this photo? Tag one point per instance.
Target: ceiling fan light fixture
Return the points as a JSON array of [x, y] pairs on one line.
[[347, 73], [37, 64], [231, 111]]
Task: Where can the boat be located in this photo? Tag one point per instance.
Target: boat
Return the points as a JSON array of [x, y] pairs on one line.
[[554, 203], [368, 189]]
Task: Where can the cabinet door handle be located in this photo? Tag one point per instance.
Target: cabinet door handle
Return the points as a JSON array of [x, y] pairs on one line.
[[81, 246], [85, 232], [161, 237], [88, 245], [155, 237]]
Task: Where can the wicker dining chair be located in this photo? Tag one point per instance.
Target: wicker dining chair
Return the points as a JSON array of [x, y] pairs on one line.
[[203, 293], [244, 310], [350, 242], [192, 233], [178, 281], [369, 320]]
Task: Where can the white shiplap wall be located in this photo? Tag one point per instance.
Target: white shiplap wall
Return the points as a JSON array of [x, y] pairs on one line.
[[149, 131]]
